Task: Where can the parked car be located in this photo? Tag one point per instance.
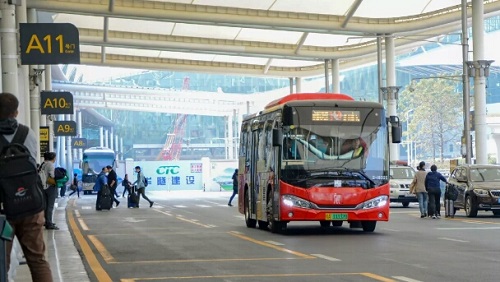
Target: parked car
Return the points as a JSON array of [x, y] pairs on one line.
[[400, 179], [478, 188]]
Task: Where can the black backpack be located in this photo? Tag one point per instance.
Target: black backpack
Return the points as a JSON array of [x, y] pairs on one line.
[[59, 173], [21, 189], [145, 182]]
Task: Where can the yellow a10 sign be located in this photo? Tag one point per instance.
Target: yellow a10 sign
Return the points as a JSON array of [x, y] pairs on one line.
[[49, 43], [56, 103], [64, 128]]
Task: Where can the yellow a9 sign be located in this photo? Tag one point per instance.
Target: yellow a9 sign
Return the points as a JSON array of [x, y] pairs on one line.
[[64, 128]]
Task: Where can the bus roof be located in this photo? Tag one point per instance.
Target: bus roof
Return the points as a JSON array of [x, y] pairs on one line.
[[308, 96], [98, 150]]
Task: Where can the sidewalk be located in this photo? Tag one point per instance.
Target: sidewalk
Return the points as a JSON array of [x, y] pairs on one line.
[[65, 261]]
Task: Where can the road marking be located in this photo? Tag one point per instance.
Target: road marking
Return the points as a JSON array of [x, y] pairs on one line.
[[468, 228], [389, 229], [100, 273], [156, 206], [326, 257], [180, 206], [406, 279], [454, 240], [274, 243], [262, 243], [254, 276], [214, 203], [214, 260], [132, 220], [203, 206], [77, 213], [164, 212], [108, 258], [193, 221], [86, 207], [377, 277], [83, 225]]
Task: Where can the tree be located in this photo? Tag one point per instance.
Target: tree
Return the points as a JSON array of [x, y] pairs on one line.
[[436, 115]]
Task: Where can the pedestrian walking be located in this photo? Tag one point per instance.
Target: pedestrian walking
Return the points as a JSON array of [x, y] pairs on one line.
[[141, 186], [434, 190], [127, 185], [235, 187], [417, 187], [113, 183], [74, 186]]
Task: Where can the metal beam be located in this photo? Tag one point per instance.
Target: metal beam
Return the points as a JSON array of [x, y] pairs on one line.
[[351, 12]]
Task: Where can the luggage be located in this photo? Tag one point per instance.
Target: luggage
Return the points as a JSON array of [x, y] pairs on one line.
[[106, 201], [449, 209], [133, 198]]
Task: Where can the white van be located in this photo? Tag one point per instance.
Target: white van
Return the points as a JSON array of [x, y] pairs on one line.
[[401, 178]]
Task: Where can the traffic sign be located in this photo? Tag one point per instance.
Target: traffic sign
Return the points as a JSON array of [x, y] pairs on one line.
[[79, 143], [49, 43], [44, 139], [56, 103], [65, 128]]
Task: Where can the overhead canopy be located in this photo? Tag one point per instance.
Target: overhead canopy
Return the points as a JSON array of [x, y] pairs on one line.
[[279, 38]]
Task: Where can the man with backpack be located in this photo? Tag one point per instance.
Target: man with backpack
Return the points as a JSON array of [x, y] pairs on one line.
[[26, 220], [47, 172], [141, 184]]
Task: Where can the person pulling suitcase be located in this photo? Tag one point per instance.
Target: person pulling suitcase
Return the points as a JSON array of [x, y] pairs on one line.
[[450, 196]]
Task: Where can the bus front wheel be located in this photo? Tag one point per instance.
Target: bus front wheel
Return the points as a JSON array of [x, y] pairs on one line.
[[368, 226], [274, 225], [251, 223]]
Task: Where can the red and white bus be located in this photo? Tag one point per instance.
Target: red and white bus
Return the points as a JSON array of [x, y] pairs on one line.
[[315, 157]]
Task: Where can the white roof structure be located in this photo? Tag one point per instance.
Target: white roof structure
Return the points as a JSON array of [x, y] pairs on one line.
[[278, 38]]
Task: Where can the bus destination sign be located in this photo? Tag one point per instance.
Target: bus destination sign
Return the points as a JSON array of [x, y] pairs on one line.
[[347, 116]]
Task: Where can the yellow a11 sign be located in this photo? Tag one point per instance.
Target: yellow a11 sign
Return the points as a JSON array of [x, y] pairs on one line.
[[64, 128]]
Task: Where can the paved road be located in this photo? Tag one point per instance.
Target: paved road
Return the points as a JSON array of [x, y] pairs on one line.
[[197, 237]]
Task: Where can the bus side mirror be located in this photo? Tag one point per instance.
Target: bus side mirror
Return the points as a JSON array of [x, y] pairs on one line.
[[396, 130], [396, 134], [277, 137]]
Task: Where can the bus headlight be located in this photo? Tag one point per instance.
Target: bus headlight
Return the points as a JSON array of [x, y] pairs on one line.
[[377, 202], [293, 201]]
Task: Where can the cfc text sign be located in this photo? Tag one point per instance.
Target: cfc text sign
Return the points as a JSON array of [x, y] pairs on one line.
[[56, 103], [49, 43], [64, 128]]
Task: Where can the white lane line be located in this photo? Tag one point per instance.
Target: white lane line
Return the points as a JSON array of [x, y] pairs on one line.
[[467, 228], [158, 206], [389, 229], [326, 257], [406, 279], [454, 240], [83, 224], [180, 206], [77, 213], [203, 206], [274, 243], [163, 212], [86, 207], [211, 225], [239, 216], [213, 203]]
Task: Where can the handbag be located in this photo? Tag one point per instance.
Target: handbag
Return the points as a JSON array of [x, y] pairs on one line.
[[73, 187]]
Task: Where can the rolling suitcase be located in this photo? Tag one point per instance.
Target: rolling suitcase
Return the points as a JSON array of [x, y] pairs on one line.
[[106, 200], [133, 198]]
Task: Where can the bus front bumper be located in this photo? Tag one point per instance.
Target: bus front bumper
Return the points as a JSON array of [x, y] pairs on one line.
[[376, 210]]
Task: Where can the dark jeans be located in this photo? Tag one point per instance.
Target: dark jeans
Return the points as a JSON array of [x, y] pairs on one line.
[[434, 201], [75, 191], [141, 191], [125, 189], [235, 192], [63, 191], [114, 195], [29, 232], [50, 199]]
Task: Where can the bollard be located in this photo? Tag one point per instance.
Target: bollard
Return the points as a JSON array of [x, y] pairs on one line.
[[6, 234]]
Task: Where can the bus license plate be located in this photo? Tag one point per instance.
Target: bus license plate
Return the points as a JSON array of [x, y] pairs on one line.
[[336, 216]]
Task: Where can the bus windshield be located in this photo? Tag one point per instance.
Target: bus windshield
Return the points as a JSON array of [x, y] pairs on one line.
[[331, 148], [94, 162]]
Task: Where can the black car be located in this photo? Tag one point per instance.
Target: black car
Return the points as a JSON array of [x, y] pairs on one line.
[[478, 188]]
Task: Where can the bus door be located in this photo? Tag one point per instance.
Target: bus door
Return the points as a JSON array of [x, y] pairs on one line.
[[254, 178]]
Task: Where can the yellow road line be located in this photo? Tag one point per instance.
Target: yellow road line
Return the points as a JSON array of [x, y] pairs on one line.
[[100, 273], [197, 260], [377, 277], [101, 249], [262, 243], [366, 274]]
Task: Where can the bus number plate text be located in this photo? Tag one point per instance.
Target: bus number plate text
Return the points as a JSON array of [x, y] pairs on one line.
[[336, 216]]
